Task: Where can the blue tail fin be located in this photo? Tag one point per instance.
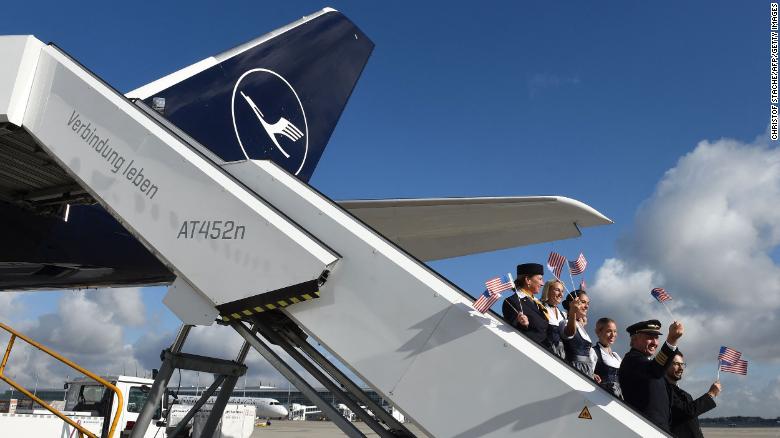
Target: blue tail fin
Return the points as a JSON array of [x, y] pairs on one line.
[[277, 97]]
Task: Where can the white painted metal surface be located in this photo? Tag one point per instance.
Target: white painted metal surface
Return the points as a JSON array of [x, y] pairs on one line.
[[190, 306], [439, 228], [19, 56], [238, 421], [415, 339], [398, 325], [204, 225], [46, 425]]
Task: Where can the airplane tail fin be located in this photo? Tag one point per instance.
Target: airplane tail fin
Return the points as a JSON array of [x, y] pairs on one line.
[[277, 97]]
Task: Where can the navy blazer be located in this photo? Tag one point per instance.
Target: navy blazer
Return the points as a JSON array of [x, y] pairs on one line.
[[537, 322], [686, 411], [644, 387]]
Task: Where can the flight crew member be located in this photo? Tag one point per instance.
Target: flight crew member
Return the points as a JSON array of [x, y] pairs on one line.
[[576, 341], [686, 410], [642, 377], [522, 310], [608, 361], [552, 294]]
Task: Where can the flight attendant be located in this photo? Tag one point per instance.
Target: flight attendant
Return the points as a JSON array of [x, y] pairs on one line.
[[552, 294], [576, 341], [523, 310], [608, 361]]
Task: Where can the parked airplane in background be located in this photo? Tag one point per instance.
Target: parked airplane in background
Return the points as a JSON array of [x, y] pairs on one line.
[[266, 407]]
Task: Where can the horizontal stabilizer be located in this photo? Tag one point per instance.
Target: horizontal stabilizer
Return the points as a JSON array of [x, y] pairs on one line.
[[440, 228]]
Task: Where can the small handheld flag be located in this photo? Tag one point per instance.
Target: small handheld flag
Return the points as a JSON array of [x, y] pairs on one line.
[[738, 367], [493, 292], [583, 286], [660, 295], [555, 264], [486, 300], [500, 284], [578, 266], [729, 355]]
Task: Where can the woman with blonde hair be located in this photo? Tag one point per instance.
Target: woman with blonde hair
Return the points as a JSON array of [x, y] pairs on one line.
[[552, 294], [608, 361]]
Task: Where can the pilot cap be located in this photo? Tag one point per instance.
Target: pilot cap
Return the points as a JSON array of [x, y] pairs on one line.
[[530, 269], [650, 327]]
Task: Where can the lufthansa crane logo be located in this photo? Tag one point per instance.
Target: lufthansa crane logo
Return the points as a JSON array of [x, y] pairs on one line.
[[269, 119]]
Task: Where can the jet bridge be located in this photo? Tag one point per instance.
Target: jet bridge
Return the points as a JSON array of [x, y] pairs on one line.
[[247, 241]]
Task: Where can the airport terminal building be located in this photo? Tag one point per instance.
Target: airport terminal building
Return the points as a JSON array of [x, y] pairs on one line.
[[285, 396]]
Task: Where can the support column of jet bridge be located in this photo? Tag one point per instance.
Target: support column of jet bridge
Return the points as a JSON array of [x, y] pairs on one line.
[[229, 249]]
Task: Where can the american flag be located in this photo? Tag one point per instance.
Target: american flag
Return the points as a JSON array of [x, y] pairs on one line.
[[486, 300], [583, 286], [555, 264], [729, 355], [738, 367], [500, 284], [578, 266], [660, 295]]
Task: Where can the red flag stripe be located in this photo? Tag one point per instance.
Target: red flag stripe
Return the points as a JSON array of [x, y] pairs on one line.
[[738, 367], [555, 263], [729, 354], [578, 266]]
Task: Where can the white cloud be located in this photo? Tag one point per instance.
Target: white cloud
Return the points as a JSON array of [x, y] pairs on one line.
[[125, 305], [707, 236], [87, 329], [9, 305]]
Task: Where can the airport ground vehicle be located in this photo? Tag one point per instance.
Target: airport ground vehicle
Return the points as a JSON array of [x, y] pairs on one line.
[[89, 404]]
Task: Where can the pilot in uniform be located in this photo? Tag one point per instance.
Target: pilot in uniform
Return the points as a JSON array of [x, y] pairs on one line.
[[528, 284], [642, 377]]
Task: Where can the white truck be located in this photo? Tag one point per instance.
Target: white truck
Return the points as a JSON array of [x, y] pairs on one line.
[[89, 404], [238, 421]]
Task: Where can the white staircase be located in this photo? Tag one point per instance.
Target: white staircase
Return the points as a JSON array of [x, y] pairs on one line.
[[236, 232]]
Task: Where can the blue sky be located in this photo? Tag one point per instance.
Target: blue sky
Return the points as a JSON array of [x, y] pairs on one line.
[[597, 101]]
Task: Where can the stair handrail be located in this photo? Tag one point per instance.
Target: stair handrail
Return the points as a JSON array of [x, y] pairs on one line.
[[82, 431]]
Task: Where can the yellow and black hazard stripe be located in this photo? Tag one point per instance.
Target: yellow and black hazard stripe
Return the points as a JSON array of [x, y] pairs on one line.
[[268, 301]]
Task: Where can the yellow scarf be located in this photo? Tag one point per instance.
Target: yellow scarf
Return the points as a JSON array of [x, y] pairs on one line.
[[538, 303]]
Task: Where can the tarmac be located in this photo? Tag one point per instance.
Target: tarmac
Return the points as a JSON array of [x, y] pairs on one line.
[[752, 432], [326, 429], [319, 429]]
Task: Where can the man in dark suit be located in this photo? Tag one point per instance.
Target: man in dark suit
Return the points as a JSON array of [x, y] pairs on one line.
[[686, 410], [522, 310], [642, 377]]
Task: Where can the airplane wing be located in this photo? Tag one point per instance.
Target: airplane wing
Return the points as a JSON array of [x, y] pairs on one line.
[[440, 228]]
